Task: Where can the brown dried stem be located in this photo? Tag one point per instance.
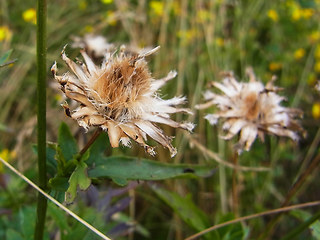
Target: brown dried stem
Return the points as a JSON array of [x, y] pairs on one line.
[[245, 218]]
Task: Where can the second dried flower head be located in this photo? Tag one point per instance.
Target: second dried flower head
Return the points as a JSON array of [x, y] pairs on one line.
[[120, 96], [251, 109]]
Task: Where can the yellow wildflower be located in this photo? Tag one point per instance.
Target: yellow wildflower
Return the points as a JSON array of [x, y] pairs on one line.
[[58, 97], [186, 36], [30, 15], [317, 67], [307, 13], [314, 36], [275, 66], [107, 1], [316, 110], [299, 53], [5, 33], [203, 16], [273, 15], [176, 8], [82, 4], [5, 155], [111, 18], [157, 7], [219, 41], [88, 29], [296, 14], [317, 52], [311, 79]]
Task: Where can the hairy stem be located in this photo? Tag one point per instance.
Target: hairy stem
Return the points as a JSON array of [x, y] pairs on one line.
[[41, 115]]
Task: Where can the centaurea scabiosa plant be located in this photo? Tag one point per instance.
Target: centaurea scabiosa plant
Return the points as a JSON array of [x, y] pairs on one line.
[[251, 109], [120, 97]]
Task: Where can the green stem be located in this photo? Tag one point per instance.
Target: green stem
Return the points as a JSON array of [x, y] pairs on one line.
[[41, 114]]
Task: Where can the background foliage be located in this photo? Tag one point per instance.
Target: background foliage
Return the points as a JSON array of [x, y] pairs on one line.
[[199, 39]]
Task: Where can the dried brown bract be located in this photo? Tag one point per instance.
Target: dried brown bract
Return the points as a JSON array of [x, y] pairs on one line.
[[251, 109], [120, 97]]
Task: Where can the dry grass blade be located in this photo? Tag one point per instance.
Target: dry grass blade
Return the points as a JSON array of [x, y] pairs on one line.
[[219, 160], [75, 216], [274, 211]]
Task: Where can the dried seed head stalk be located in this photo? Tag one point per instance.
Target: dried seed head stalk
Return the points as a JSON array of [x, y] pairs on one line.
[[120, 97], [251, 109]]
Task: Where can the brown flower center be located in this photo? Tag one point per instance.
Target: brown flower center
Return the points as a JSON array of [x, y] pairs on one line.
[[122, 85], [252, 106]]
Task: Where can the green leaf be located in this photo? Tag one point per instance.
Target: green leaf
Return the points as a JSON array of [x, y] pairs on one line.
[[128, 168], [187, 210], [308, 221], [28, 222], [13, 235], [97, 148], [59, 217], [5, 57], [233, 231], [59, 183], [67, 142], [78, 178]]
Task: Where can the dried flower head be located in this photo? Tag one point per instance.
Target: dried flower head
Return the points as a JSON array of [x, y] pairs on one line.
[[251, 109], [120, 97], [95, 45]]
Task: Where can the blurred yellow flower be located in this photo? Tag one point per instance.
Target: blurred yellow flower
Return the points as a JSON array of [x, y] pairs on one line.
[[186, 36], [111, 18], [30, 15], [314, 36], [88, 28], [317, 66], [219, 41], [312, 79], [275, 66], [296, 14], [82, 4], [203, 16], [176, 8], [157, 7], [316, 110], [107, 1], [307, 13], [273, 15], [5, 154], [5, 33], [299, 53], [58, 98], [317, 52]]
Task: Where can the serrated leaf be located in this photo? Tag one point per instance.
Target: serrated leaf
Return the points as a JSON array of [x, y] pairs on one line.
[[128, 168], [78, 178], [67, 143]]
